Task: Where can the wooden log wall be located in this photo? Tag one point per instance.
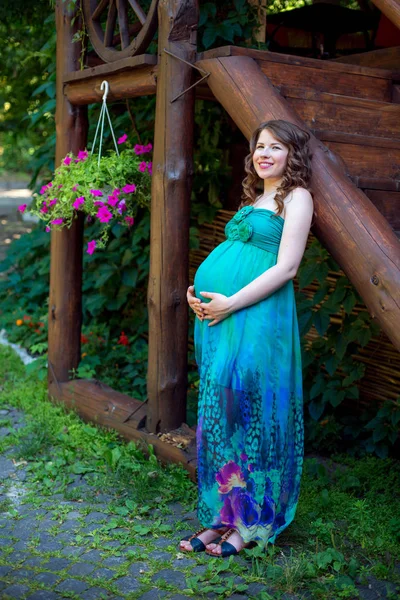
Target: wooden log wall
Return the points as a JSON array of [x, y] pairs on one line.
[[65, 303], [347, 223], [170, 207]]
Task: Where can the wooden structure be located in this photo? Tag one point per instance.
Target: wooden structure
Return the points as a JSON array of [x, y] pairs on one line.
[[353, 112]]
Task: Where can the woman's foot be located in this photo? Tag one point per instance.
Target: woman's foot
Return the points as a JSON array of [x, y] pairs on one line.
[[201, 538], [230, 543]]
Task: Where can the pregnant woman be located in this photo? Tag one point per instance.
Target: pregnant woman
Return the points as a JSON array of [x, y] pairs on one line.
[[250, 416]]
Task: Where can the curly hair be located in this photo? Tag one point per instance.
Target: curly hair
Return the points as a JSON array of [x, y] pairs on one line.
[[298, 168]]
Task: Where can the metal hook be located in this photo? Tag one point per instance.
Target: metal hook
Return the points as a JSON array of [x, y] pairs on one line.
[[104, 86]]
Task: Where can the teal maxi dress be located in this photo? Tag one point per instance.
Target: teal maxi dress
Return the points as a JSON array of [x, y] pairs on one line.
[[250, 435]]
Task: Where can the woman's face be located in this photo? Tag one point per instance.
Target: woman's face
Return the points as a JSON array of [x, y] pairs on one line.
[[270, 156]]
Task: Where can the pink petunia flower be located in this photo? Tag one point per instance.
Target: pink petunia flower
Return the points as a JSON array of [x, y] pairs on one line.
[[43, 189], [150, 168], [129, 187], [44, 208], [104, 215], [147, 148], [122, 139], [22, 208], [67, 160], [96, 192], [82, 155], [138, 149], [130, 221], [91, 247], [57, 221], [48, 229], [52, 202], [98, 203], [142, 167], [75, 187], [112, 200], [78, 202]]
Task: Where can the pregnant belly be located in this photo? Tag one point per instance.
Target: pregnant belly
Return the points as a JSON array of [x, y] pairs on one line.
[[230, 267]]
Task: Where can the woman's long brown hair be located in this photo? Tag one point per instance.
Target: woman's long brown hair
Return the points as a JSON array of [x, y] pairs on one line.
[[298, 168]]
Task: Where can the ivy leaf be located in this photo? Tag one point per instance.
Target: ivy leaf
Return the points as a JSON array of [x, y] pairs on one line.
[[316, 409], [305, 322], [129, 277], [320, 293], [318, 386], [210, 35], [306, 275], [321, 321], [332, 364], [322, 271], [349, 302]]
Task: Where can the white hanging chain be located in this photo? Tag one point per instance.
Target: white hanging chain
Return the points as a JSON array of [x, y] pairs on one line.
[[103, 111]]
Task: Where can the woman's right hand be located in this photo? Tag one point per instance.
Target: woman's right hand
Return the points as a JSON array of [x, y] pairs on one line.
[[194, 303]]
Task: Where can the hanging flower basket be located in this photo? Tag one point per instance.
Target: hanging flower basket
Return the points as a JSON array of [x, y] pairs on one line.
[[109, 190]]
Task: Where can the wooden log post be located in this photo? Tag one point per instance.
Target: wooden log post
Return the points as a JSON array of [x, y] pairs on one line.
[[391, 9], [65, 314], [170, 205], [347, 223]]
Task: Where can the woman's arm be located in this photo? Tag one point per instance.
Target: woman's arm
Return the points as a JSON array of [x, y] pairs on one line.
[[298, 217]]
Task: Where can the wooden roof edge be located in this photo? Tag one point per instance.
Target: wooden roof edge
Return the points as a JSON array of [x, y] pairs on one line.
[[125, 64], [315, 63]]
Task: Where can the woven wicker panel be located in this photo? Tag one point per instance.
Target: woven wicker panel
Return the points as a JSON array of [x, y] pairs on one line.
[[382, 376]]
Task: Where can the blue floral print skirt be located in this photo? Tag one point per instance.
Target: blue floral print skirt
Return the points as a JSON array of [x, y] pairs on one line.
[[250, 436]]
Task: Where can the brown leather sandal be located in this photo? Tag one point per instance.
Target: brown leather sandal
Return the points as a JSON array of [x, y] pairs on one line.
[[198, 545]]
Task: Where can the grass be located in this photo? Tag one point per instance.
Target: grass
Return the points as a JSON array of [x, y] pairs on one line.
[[346, 532]]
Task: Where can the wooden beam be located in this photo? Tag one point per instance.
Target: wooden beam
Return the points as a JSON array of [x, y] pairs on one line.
[[65, 303], [390, 8], [128, 78], [97, 403], [170, 207], [385, 58], [347, 223]]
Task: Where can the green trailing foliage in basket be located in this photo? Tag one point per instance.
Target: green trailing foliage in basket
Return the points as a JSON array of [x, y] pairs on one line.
[[109, 190]]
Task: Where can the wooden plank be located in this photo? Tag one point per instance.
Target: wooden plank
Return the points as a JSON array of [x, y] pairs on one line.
[[297, 61], [347, 223], [65, 302], [170, 209], [376, 183], [368, 161], [388, 203], [356, 140], [111, 69], [96, 402], [326, 111], [384, 58], [327, 80], [128, 83]]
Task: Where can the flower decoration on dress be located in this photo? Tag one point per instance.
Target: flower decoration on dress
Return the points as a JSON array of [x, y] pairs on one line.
[[238, 231], [230, 476]]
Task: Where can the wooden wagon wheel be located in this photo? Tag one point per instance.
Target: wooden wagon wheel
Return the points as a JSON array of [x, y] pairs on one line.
[[119, 28]]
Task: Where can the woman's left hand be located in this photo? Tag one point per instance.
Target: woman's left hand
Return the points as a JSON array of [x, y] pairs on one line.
[[218, 309]]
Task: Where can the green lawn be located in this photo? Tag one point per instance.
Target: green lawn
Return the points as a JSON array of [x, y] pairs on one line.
[[346, 533]]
